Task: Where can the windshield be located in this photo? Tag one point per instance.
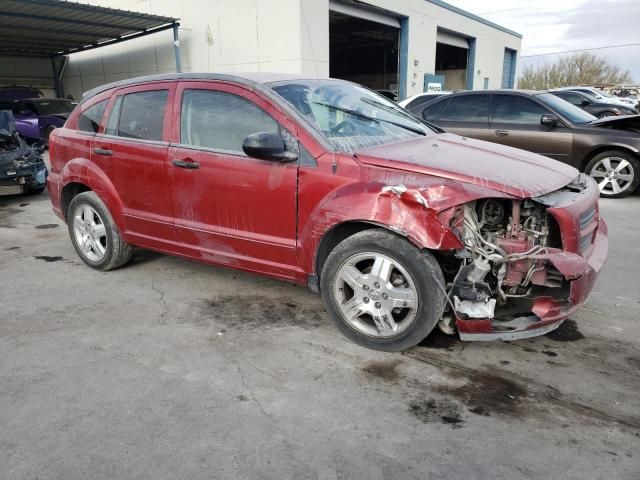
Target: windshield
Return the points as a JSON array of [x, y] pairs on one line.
[[52, 107], [570, 112], [349, 116]]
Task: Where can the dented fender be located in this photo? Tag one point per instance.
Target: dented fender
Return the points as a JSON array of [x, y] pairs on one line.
[[412, 206], [86, 172]]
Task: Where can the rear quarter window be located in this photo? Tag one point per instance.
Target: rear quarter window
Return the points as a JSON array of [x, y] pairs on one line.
[[89, 119]]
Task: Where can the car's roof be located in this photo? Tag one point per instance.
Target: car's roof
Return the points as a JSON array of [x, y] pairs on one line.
[[262, 78]]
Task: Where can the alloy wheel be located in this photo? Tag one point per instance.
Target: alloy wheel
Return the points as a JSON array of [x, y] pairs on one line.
[[90, 233], [376, 295], [614, 175]]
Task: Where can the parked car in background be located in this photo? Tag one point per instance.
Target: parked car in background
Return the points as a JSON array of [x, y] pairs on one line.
[[630, 93], [37, 117], [540, 122], [421, 99], [325, 183], [22, 169], [601, 96], [597, 108], [16, 92]]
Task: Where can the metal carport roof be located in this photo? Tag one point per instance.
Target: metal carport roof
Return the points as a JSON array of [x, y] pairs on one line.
[[56, 28]]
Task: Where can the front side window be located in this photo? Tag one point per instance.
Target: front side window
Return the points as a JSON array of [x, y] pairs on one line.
[[572, 98], [142, 115], [467, 108], [571, 112], [349, 116], [89, 120], [221, 120], [516, 109]]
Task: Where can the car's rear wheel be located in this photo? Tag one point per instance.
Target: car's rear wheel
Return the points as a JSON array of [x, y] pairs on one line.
[[617, 173], [94, 234], [381, 291]]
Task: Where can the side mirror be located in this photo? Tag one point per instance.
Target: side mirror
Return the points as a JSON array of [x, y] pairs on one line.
[[549, 119], [267, 146], [584, 103]]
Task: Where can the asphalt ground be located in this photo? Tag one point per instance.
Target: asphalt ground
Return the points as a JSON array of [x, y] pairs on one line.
[[169, 368]]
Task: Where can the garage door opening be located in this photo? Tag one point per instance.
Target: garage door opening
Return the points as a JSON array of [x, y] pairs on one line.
[[452, 60], [364, 51]]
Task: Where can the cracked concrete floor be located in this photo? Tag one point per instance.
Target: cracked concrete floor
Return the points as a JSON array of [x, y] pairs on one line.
[[173, 369]]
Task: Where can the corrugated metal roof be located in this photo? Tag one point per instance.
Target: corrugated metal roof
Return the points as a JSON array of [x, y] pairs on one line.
[[46, 28]]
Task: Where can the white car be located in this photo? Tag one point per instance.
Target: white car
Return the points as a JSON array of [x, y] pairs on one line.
[[600, 95], [421, 98]]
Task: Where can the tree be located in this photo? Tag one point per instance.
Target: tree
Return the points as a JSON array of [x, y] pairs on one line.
[[577, 69]]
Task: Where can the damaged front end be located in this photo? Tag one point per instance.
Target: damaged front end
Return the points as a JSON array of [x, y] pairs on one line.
[[22, 169], [526, 264]]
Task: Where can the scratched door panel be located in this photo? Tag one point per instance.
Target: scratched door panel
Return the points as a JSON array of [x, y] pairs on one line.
[[230, 208]]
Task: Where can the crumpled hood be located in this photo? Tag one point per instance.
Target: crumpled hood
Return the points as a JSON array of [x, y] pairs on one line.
[[504, 169], [623, 122]]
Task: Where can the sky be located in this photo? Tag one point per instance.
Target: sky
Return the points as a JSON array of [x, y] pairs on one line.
[[550, 26]]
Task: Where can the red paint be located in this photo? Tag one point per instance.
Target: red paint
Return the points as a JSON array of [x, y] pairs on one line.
[[270, 217]]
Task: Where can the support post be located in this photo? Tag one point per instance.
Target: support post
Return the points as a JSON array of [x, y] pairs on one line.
[[176, 47], [58, 69]]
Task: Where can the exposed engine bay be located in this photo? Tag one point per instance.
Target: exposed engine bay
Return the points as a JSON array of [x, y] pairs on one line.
[[22, 169], [504, 241]]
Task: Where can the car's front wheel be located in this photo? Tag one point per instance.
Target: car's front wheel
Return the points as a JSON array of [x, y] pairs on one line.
[[94, 234], [617, 173], [381, 291]]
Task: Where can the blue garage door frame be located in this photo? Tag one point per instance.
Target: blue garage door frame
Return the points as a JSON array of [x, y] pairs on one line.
[[509, 68]]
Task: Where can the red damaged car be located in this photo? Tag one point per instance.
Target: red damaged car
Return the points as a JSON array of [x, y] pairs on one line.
[[401, 227]]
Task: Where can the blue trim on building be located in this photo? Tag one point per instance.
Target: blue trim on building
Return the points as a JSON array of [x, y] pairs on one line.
[[464, 13], [471, 62], [403, 59]]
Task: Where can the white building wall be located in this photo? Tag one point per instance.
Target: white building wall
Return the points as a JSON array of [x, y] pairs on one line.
[[272, 35]]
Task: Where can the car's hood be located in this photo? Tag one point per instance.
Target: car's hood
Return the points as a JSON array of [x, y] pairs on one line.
[[622, 122], [505, 169]]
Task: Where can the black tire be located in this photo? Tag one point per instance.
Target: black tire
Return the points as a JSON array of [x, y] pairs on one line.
[[421, 267], [118, 252], [594, 169]]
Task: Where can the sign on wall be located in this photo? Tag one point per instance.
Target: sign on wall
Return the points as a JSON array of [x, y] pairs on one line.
[[433, 83]]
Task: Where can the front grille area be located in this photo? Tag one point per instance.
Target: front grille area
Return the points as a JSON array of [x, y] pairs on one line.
[[588, 225], [587, 217]]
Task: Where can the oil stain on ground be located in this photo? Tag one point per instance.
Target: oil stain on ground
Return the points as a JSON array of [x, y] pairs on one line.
[[258, 312], [47, 226], [383, 370], [437, 411], [567, 332], [48, 258]]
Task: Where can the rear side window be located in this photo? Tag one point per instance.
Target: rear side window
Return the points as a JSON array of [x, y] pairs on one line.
[[432, 112], [89, 120], [516, 109], [221, 120], [468, 108], [142, 115], [572, 98]]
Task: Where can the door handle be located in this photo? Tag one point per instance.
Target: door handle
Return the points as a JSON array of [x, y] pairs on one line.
[[102, 151], [502, 133], [188, 164]]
